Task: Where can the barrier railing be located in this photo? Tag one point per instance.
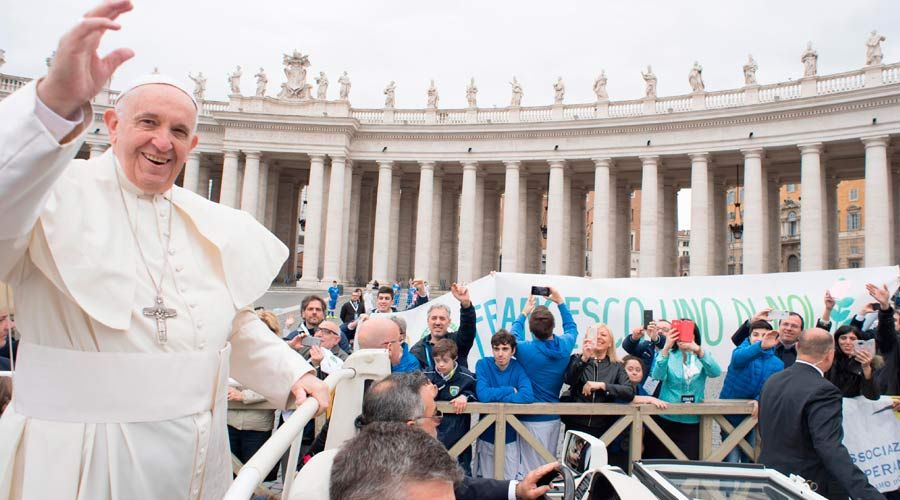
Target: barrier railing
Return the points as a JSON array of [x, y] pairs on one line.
[[633, 417]]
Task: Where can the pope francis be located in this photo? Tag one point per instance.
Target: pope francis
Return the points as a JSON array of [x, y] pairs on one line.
[[132, 293]]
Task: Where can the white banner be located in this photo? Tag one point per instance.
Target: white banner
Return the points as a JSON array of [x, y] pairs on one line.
[[873, 439], [718, 304]]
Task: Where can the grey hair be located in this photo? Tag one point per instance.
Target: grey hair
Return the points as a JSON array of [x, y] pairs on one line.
[[382, 459], [432, 307], [401, 323], [395, 398]]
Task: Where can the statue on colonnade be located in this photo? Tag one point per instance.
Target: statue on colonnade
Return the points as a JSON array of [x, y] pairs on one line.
[[873, 48], [322, 82], [517, 93], [432, 96], [559, 91], [810, 60], [261, 81], [2, 57], [234, 79], [649, 82], [695, 78], [295, 71], [344, 80], [199, 86], [389, 93], [750, 71], [471, 92], [600, 86]]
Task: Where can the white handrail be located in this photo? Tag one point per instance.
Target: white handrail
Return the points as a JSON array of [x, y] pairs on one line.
[[287, 436]]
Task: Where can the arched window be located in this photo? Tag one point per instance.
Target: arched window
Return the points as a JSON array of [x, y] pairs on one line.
[[793, 263]]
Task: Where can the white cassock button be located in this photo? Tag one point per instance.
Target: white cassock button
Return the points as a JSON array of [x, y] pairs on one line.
[[179, 268]]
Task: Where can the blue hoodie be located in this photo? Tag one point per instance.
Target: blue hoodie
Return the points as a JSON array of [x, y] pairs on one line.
[[507, 386], [545, 361], [408, 362], [750, 367]]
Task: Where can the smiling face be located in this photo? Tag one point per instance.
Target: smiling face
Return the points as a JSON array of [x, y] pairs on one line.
[[847, 343], [383, 302], [789, 329], [152, 132], [757, 334], [438, 322]]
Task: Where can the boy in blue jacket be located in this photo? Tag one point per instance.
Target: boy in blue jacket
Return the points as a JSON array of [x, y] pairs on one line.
[[752, 363], [545, 360], [501, 379], [455, 384]]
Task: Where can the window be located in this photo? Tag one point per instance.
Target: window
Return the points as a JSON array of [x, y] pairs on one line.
[[729, 198], [791, 188], [853, 195], [632, 241], [853, 221], [793, 264], [684, 253], [854, 250], [792, 224], [731, 216], [854, 263]]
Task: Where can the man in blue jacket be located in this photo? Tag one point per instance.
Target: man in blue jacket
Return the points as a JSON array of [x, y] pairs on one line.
[[545, 360]]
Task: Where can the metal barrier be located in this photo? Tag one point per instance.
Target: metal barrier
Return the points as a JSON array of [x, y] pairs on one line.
[[632, 416]]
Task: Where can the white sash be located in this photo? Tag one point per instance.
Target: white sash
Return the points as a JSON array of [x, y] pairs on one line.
[[112, 387]]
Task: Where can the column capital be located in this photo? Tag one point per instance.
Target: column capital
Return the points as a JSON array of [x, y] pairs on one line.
[[650, 160], [469, 164], [557, 163], [193, 155], [811, 147], [427, 164], [512, 164], [230, 153], [315, 157], [875, 141], [385, 164], [696, 157], [252, 155], [753, 153], [338, 157], [603, 162]]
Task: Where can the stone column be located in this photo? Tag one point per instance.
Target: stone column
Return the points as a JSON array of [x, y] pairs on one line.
[[623, 233], [567, 222], [394, 245], [511, 229], [668, 217], [813, 228], [522, 235], [365, 232], [407, 230], [262, 193], [313, 228], [345, 222], [334, 229], [650, 223], [382, 237], [228, 194], [250, 188], [354, 240], [535, 200], [755, 238], [99, 149], [603, 241], [272, 197], [831, 207], [203, 182], [490, 234], [478, 227], [878, 215], [703, 246], [555, 218], [422, 267], [437, 200], [719, 228], [467, 206], [773, 224], [576, 238], [449, 234], [239, 185], [191, 171]]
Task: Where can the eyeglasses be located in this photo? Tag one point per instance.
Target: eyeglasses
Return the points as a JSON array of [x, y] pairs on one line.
[[437, 417], [327, 330]]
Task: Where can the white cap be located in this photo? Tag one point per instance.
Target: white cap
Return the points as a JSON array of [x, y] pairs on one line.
[[157, 79]]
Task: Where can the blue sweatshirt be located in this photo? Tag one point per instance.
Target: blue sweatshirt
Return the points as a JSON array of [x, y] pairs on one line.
[[545, 361], [493, 385], [750, 367], [408, 362]]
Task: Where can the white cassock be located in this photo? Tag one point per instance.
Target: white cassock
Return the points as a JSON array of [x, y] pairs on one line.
[[101, 408]]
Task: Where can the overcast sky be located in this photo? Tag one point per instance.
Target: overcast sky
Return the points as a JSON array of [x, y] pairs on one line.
[[450, 41]]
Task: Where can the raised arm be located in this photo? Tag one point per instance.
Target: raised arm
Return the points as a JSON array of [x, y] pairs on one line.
[[570, 329], [466, 333], [518, 327]]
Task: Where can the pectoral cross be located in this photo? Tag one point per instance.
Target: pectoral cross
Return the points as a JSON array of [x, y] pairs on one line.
[[161, 313]]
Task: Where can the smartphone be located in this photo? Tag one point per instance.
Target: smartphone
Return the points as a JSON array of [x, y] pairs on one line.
[[779, 315], [549, 477], [543, 291], [865, 345], [310, 341], [685, 329], [648, 317]]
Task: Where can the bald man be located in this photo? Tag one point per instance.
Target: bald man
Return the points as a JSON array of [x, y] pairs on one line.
[[380, 332], [801, 423]]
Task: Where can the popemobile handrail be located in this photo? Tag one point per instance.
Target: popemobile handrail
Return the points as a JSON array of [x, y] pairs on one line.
[[287, 436]]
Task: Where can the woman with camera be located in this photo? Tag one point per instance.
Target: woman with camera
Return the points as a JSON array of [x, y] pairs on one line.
[[682, 368]]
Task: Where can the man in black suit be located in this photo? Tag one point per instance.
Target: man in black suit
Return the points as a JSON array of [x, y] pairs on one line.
[[801, 423], [354, 308]]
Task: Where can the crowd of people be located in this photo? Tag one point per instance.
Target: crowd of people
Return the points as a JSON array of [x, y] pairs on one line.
[[666, 364]]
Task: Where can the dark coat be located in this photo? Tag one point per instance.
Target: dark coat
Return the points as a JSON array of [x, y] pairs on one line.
[[464, 338], [618, 390], [887, 343], [481, 489], [462, 383], [348, 315], [801, 426]]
